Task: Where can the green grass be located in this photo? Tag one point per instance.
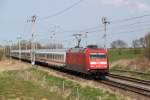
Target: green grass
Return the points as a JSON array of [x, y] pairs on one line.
[[12, 87], [33, 84], [130, 71], [126, 54]]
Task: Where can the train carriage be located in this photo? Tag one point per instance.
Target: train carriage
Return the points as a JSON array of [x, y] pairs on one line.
[[84, 60], [54, 57]]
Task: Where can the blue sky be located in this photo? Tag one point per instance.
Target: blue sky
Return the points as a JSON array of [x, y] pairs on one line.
[[15, 13]]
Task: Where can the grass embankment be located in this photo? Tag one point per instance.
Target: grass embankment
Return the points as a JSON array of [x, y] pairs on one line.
[[125, 54], [33, 84], [130, 62]]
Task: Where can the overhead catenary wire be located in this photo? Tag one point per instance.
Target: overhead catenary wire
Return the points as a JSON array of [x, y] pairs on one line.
[[123, 23], [100, 29], [131, 18], [113, 22], [129, 31], [95, 27], [62, 11], [146, 22]]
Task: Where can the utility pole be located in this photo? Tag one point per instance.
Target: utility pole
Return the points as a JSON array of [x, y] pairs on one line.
[[78, 38], [26, 45], [10, 43], [19, 38], [5, 48], [86, 38], [105, 22], [33, 20]]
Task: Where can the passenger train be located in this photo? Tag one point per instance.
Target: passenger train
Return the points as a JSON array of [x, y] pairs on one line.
[[89, 60]]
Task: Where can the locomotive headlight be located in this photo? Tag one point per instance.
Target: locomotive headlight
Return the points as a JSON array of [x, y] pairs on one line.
[[92, 66], [92, 62], [103, 62]]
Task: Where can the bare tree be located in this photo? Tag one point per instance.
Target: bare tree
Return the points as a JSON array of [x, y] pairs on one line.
[[142, 41], [147, 49], [53, 46], [119, 44], [136, 44]]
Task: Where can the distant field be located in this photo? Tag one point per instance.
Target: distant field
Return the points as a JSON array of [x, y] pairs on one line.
[[33, 84], [125, 54]]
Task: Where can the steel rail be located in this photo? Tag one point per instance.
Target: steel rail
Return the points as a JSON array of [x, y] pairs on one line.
[[119, 70], [144, 82], [132, 88]]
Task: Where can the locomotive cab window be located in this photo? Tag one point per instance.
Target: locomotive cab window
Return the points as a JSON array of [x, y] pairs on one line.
[[101, 56]]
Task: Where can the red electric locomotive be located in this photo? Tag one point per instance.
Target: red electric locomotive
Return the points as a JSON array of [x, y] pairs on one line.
[[90, 60]]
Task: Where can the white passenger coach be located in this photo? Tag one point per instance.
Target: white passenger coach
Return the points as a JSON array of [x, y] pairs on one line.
[[56, 57]]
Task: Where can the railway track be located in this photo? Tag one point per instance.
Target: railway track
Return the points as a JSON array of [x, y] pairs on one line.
[[137, 72], [144, 82], [132, 88], [141, 88]]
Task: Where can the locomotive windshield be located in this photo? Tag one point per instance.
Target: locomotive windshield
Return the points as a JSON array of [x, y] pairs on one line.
[[101, 56]]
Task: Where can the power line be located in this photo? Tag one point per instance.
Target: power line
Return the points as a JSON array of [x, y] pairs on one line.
[[130, 31], [131, 18], [97, 27], [112, 28], [130, 24], [135, 30], [122, 20], [91, 29], [62, 11], [123, 26]]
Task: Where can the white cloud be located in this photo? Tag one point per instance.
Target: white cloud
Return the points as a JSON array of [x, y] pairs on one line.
[[130, 4]]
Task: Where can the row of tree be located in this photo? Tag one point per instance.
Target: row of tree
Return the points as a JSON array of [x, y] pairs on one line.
[[138, 43], [141, 43], [27, 45]]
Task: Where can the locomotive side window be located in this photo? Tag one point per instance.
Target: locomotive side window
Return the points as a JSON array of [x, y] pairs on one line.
[[101, 56]]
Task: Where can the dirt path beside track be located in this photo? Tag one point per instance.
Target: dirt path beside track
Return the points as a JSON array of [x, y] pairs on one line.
[[6, 65]]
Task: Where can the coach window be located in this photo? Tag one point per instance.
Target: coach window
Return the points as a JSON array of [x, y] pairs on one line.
[[52, 56], [60, 57], [55, 56], [45, 55], [48, 56], [40, 55]]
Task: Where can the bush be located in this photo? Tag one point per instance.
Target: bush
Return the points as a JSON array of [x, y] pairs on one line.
[[147, 49], [1, 55]]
